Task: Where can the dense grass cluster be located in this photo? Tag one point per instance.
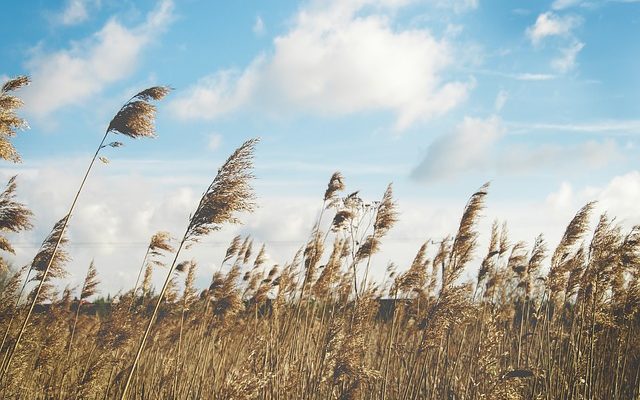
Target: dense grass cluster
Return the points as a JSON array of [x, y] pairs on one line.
[[536, 323]]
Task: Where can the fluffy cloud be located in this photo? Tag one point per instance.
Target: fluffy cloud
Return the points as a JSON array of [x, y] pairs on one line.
[[74, 13], [619, 197], [215, 140], [464, 150], [567, 60], [258, 26], [549, 24], [562, 4], [73, 75], [475, 146], [337, 60], [501, 100]]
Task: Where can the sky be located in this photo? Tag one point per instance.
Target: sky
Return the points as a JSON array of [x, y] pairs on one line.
[[540, 98]]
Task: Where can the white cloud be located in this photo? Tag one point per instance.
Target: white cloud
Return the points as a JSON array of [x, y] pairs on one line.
[[519, 76], [549, 24], [458, 6], [71, 76], [215, 140], [475, 147], [607, 126], [562, 4], [618, 197], [336, 61], [561, 199], [464, 150], [258, 26], [501, 100], [216, 95], [591, 154], [567, 61], [74, 13], [534, 77]]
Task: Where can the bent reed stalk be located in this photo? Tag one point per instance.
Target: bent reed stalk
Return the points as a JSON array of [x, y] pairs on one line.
[[228, 194], [135, 119]]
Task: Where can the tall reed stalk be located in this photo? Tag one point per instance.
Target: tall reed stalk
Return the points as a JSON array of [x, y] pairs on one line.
[[228, 194], [135, 119]]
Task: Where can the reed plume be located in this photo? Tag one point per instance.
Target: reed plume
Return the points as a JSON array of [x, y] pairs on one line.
[[89, 288], [416, 276], [465, 241], [10, 122], [488, 262], [14, 216], [386, 217], [160, 242], [335, 185], [557, 277], [329, 275]]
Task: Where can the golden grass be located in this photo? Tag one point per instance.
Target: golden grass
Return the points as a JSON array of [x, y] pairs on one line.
[[306, 329]]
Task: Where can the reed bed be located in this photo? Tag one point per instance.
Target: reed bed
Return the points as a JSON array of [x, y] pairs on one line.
[[536, 322]]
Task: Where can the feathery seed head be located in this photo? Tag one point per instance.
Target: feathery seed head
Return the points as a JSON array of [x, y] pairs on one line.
[[336, 184], [229, 193], [136, 118]]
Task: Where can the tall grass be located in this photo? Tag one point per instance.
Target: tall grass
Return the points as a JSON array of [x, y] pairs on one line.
[[536, 323]]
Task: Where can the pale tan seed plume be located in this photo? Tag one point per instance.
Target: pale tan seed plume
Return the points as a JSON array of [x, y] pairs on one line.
[[517, 261], [504, 239], [14, 216], [233, 249], [386, 217], [160, 241], [336, 184], [439, 263], [537, 256], [574, 232], [243, 248], [261, 258], [45, 254], [227, 298], [247, 252], [330, 273], [488, 263], [370, 246], [466, 239], [10, 122], [262, 292], [416, 275], [341, 220], [576, 267], [313, 252], [136, 118], [386, 214], [146, 280], [189, 293], [558, 273], [604, 256], [91, 282], [159, 244], [229, 193]]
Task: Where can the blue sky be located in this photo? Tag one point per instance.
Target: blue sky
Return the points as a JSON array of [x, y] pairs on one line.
[[541, 98]]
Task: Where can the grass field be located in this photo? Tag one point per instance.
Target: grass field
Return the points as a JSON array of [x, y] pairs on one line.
[[538, 322]]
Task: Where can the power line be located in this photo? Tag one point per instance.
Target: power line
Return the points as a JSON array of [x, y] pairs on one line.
[[31, 245]]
